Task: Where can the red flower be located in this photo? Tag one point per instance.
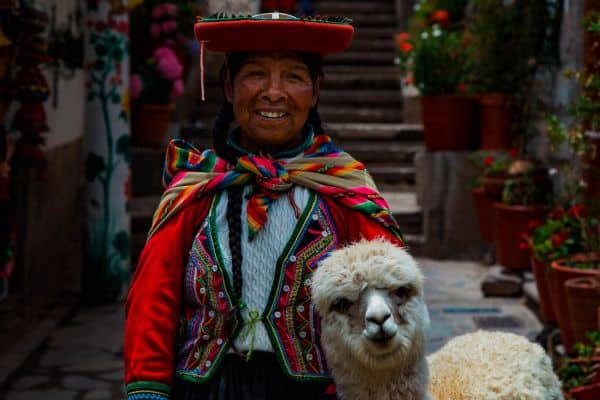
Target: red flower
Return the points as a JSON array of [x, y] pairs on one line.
[[403, 36], [462, 88], [405, 47], [489, 160], [559, 238], [557, 213], [524, 246], [514, 153], [534, 223], [442, 17], [577, 211]]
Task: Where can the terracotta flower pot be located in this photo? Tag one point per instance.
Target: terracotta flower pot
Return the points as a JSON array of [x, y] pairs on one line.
[[541, 272], [497, 113], [510, 222], [583, 300], [149, 124], [493, 185], [449, 122], [588, 392], [484, 208], [560, 273]]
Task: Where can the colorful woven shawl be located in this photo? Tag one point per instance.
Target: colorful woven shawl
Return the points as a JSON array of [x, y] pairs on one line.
[[190, 174]]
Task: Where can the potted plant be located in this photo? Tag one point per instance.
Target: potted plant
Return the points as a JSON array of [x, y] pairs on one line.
[[584, 264], [558, 236], [580, 374], [435, 58], [507, 42], [488, 186], [526, 195], [157, 71]]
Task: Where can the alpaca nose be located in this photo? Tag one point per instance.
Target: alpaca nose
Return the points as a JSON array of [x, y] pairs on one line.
[[377, 310], [378, 317]]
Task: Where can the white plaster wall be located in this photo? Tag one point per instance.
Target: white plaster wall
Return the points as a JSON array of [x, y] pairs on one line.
[[66, 121]]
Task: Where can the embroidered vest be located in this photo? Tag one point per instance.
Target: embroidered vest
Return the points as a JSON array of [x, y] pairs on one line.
[[210, 320]]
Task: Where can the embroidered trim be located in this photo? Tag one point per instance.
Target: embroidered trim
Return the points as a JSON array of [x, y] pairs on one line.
[[205, 256], [148, 390]]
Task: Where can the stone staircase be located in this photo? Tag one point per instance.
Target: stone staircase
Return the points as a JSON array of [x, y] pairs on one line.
[[360, 105]]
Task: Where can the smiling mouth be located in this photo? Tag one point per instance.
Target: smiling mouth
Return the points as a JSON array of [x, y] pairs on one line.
[[272, 114]]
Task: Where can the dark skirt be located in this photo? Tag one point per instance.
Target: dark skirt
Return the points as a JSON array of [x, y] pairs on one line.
[[261, 378]]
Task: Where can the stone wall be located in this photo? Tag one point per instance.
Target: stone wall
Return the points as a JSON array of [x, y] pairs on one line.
[[449, 222]]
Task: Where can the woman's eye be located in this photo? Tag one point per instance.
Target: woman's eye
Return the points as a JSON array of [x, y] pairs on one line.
[[341, 305], [297, 77]]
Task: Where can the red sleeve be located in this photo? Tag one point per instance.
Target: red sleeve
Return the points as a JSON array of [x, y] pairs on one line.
[[154, 299], [354, 225]]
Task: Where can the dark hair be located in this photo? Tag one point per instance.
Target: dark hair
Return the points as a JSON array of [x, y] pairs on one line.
[[224, 118]]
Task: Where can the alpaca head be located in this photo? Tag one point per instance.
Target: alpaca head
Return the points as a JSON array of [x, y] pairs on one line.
[[370, 298]]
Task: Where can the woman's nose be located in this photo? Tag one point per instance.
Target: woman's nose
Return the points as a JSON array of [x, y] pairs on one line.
[[273, 90]]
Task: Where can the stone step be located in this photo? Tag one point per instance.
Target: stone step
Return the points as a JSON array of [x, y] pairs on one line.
[[330, 7], [146, 171], [391, 174], [142, 209], [375, 32], [375, 131], [353, 114], [406, 211], [394, 153], [365, 70], [386, 44], [363, 97], [361, 81], [370, 19], [362, 58]]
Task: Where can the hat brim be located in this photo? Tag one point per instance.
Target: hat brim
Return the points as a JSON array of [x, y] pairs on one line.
[[274, 35]]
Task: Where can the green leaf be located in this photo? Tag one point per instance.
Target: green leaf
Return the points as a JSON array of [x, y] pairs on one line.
[[121, 243], [94, 166], [123, 147]]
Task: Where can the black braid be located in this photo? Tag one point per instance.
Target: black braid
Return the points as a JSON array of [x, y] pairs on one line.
[[219, 133], [234, 222], [315, 120]]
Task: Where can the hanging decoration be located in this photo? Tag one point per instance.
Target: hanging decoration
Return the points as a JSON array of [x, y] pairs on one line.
[[31, 88]]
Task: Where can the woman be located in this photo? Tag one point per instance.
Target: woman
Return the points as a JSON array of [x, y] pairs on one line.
[[220, 307]]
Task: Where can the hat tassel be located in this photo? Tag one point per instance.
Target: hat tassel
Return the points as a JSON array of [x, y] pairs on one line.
[[202, 69]]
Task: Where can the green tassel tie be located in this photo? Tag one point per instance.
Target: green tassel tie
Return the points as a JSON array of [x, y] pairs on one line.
[[250, 330]]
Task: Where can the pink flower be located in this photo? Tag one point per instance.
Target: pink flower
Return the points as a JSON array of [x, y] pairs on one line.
[[170, 8], [158, 11], [168, 26], [162, 52], [155, 30], [177, 88], [168, 64], [136, 86]]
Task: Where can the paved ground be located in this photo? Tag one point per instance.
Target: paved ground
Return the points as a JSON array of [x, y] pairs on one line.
[[82, 359]]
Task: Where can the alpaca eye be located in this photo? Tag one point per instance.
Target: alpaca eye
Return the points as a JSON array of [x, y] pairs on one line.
[[403, 292], [341, 305]]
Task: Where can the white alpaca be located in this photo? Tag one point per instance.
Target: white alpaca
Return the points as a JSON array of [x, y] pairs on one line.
[[374, 323]]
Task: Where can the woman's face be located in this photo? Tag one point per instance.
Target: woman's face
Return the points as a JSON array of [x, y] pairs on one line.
[[272, 95]]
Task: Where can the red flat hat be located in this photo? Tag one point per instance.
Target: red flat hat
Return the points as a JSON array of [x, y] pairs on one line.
[[274, 32]]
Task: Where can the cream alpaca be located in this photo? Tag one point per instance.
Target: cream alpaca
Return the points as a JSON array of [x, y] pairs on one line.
[[374, 322]]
